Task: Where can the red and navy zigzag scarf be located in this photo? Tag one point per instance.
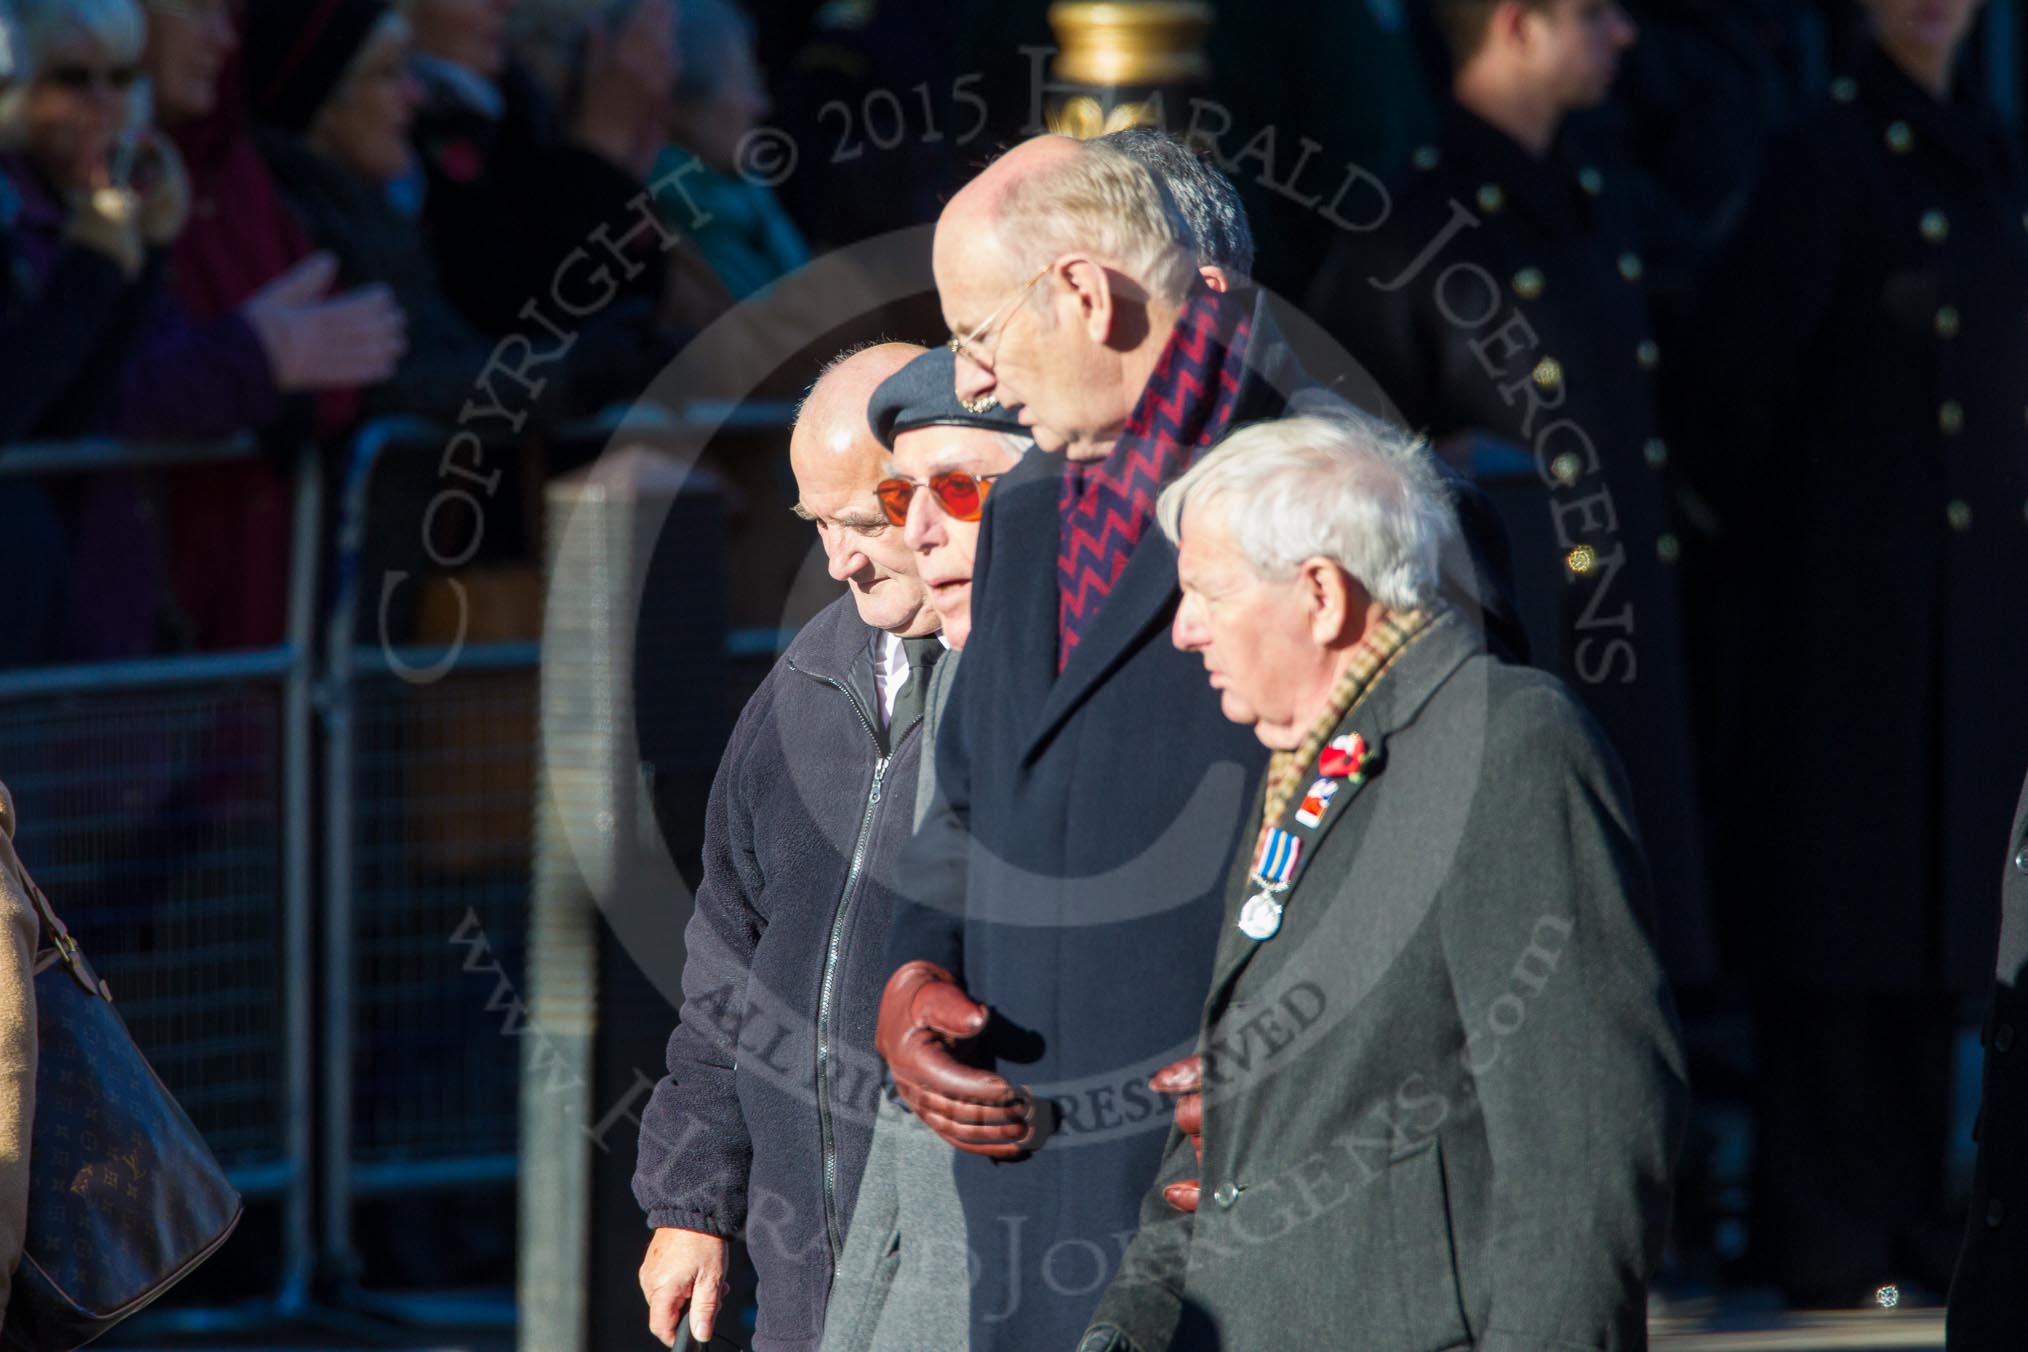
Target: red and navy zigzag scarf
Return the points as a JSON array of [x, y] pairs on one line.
[[1107, 504]]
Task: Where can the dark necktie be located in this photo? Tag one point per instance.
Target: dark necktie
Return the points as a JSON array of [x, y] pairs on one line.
[[922, 654]]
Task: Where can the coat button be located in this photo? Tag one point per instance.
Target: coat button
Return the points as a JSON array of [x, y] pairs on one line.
[[1591, 180], [1996, 1211], [1491, 199], [1425, 157], [1648, 354], [1528, 283], [2021, 860], [1566, 468], [1950, 417], [1899, 137], [1668, 548], [1631, 267], [1959, 513], [1934, 225], [1947, 322], [1227, 1194], [1548, 373], [2003, 1038], [1581, 560], [1844, 89], [1655, 452]]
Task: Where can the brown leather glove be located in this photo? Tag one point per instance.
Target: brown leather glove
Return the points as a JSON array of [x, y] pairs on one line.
[[1185, 1080], [922, 1013]]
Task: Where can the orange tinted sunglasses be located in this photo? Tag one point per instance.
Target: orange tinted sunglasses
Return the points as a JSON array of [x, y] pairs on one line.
[[961, 495]]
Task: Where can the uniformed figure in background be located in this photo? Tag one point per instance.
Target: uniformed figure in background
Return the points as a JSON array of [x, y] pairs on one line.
[[1505, 301], [1860, 385]]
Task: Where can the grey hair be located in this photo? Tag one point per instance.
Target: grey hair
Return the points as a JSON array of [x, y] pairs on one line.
[[1204, 197], [1107, 202], [116, 25], [1348, 487]]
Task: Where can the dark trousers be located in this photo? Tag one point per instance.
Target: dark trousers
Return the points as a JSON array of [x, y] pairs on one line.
[[1854, 1093]]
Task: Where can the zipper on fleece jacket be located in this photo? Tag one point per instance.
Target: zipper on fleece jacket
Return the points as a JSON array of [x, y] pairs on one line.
[[827, 1135]]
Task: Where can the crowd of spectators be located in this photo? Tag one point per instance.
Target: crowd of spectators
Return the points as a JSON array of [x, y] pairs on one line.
[[277, 221]]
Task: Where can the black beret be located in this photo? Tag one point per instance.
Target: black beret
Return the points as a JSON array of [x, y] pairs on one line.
[[924, 394]]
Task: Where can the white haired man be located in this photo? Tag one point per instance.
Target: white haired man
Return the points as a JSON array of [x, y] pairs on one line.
[[1443, 1089]]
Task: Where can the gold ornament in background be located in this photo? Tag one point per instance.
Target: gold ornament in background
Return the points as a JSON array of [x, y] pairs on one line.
[[1121, 44], [1125, 55]]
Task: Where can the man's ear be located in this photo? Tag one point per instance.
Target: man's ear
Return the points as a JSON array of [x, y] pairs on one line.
[[1334, 602], [1091, 286], [1509, 24]]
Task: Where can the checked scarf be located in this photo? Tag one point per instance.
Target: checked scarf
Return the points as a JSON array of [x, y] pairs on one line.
[[1106, 504]]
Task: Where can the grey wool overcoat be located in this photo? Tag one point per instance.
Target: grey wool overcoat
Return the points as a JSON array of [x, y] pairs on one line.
[[1444, 1098]]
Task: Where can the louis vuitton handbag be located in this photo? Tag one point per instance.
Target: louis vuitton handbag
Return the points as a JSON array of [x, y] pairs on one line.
[[124, 1197]]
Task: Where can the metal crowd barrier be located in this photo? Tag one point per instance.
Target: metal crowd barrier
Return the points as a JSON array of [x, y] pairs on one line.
[[429, 811], [166, 806], [193, 813]]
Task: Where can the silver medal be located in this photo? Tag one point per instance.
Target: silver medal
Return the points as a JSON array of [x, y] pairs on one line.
[[1260, 917]]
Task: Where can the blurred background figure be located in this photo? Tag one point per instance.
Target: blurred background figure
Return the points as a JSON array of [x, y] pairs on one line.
[[1857, 389], [334, 101], [738, 225], [514, 183], [85, 166], [243, 262], [1503, 309]]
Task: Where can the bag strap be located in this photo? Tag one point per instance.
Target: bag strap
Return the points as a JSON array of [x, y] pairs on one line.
[[54, 931]]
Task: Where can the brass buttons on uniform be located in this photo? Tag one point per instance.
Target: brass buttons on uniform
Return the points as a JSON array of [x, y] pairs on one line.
[[1844, 89], [1947, 322], [1899, 138], [1425, 157], [1565, 468], [1491, 199], [1668, 548], [1959, 513], [1581, 560], [1655, 452], [1950, 417], [1934, 225], [1648, 354], [1548, 373], [1630, 267], [1528, 283], [1591, 180]]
